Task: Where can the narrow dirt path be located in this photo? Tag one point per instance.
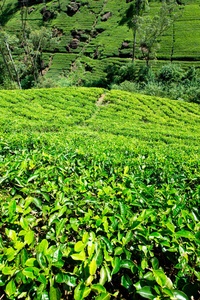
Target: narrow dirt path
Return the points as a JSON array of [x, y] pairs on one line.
[[100, 100], [89, 38], [93, 29]]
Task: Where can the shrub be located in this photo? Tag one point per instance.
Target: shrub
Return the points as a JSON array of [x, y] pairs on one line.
[[170, 73], [27, 82], [128, 72], [193, 94], [127, 86], [8, 84], [64, 82], [46, 83], [154, 89], [145, 74]]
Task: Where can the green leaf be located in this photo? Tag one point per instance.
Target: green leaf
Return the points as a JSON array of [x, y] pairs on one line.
[[91, 248], [28, 272], [93, 267], [103, 296], [79, 246], [8, 270], [126, 169], [22, 295], [70, 280], [144, 263], [87, 291], [40, 291], [126, 282], [170, 226], [116, 265], [42, 279], [62, 211], [37, 202], [185, 234], [11, 253], [108, 244], [103, 276], [108, 273], [98, 288], [30, 262], [43, 246], [10, 288], [60, 226], [168, 292], [11, 234], [54, 293], [149, 276], [155, 263], [29, 237], [160, 277], [52, 218], [122, 209], [57, 255], [146, 292], [79, 256], [41, 260], [44, 295], [169, 283], [3, 280], [85, 237], [24, 257], [24, 223], [180, 295], [12, 207], [2, 179], [118, 251], [128, 237], [28, 202], [59, 278], [126, 264], [32, 178], [79, 291]]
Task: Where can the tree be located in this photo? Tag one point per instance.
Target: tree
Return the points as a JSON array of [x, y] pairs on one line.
[[2, 4], [6, 53], [39, 40], [152, 28], [26, 46], [131, 18]]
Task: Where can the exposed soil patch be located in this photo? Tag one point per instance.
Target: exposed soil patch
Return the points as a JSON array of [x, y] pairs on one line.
[[100, 100]]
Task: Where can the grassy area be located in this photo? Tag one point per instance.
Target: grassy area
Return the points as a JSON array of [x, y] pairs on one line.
[[99, 196]]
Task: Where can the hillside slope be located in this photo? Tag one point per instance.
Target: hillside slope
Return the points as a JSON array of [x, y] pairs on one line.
[[99, 196], [89, 32], [71, 111]]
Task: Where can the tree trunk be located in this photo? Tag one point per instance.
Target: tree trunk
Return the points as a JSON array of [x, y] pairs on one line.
[[173, 42], [134, 44], [27, 45], [10, 55], [6, 64]]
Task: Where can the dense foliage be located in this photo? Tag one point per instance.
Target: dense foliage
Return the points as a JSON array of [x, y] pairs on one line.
[[100, 206], [169, 81]]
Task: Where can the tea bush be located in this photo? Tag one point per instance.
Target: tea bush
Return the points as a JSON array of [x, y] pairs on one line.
[[98, 200]]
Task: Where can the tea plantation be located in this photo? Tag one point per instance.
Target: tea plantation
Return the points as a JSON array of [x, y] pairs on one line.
[[100, 196], [89, 32]]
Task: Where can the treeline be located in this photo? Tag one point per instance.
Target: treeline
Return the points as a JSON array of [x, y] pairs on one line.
[[170, 81]]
